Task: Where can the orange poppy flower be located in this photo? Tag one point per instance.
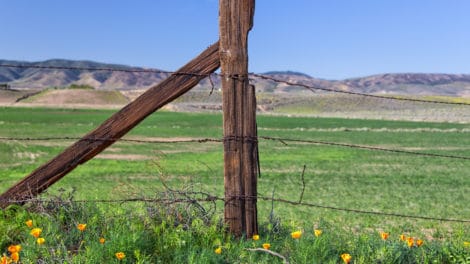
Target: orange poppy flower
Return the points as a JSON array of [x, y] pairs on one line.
[[410, 241], [4, 260], [81, 227], [15, 256], [120, 255], [14, 248], [346, 258], [419, 242], [36, 232], [384, 235], [317, 232], [40, 241], [296, 234]]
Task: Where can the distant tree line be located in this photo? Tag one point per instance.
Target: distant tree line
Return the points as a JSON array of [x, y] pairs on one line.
[[74, 86], [81, 86], [5, 86]]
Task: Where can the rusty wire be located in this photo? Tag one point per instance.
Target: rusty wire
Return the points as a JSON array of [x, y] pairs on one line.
[[314, 88], [250, 139]]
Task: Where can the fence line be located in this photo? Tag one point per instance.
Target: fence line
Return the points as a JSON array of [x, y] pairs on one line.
[[279, 139], [205, 197], [213, 198], [255, 75], [313, 88], [131, 70], [201, 140], [284, 140]]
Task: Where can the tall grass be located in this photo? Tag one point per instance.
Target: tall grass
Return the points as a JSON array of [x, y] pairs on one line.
[[146, 233]]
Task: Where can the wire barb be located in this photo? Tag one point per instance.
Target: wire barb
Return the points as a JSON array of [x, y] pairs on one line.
[[303, 184]]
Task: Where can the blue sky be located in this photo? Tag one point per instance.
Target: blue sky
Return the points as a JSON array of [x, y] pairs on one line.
[[330, 39]]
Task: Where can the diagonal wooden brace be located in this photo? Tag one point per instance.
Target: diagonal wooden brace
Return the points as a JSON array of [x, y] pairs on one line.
[[115, 127]]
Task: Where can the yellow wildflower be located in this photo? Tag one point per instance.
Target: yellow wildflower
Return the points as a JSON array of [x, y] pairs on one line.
[[15, 256], [29, 223], [466, 244], [36, 232], [410, 241], [102, 240], [419, 242], [317, 232], [81, 227], [402, 237], [40, 240], [4, 260], [346, 257], [218, 250], [120, 255], [14, 248], [266, 246], [384, 235], [255, 237], [296, 234]]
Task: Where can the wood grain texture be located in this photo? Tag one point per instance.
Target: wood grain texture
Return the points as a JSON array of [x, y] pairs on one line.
[[239, 106], [115, 127]]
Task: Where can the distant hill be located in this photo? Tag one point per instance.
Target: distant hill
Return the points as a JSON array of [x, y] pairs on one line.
[[45, 78], [413, 83], [292, 73], [400, 83], [394, 83]]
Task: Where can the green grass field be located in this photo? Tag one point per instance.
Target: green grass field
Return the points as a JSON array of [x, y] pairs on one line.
[[335, 176]]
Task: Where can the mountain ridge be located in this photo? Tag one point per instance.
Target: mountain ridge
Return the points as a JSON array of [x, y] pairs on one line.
[[26, 77]]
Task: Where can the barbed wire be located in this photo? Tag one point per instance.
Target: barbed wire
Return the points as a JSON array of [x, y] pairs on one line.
[[314, 88], [284, 140], [246, 139], [363, 211], [213, 198], [128, 70], [236, 76], [156, 141]]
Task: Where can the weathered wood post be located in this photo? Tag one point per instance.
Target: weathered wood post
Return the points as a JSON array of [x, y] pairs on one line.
[[239, 107]]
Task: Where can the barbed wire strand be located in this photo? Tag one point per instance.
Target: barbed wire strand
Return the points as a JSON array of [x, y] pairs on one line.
[[314, 88], [365, 211], [260, 76], [129, 70], [212, 198], [250, 139], [284, 140], [201, 140]]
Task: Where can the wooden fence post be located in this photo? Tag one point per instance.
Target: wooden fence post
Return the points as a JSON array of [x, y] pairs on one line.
[[239, 106]]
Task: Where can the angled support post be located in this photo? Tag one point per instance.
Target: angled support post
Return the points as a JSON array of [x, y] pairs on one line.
[[114, 128]]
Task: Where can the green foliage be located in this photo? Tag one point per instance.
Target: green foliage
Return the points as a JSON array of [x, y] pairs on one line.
[[81, 86], [133, 230]]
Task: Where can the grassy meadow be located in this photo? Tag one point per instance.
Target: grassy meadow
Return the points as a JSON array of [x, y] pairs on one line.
[[334, 176]]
